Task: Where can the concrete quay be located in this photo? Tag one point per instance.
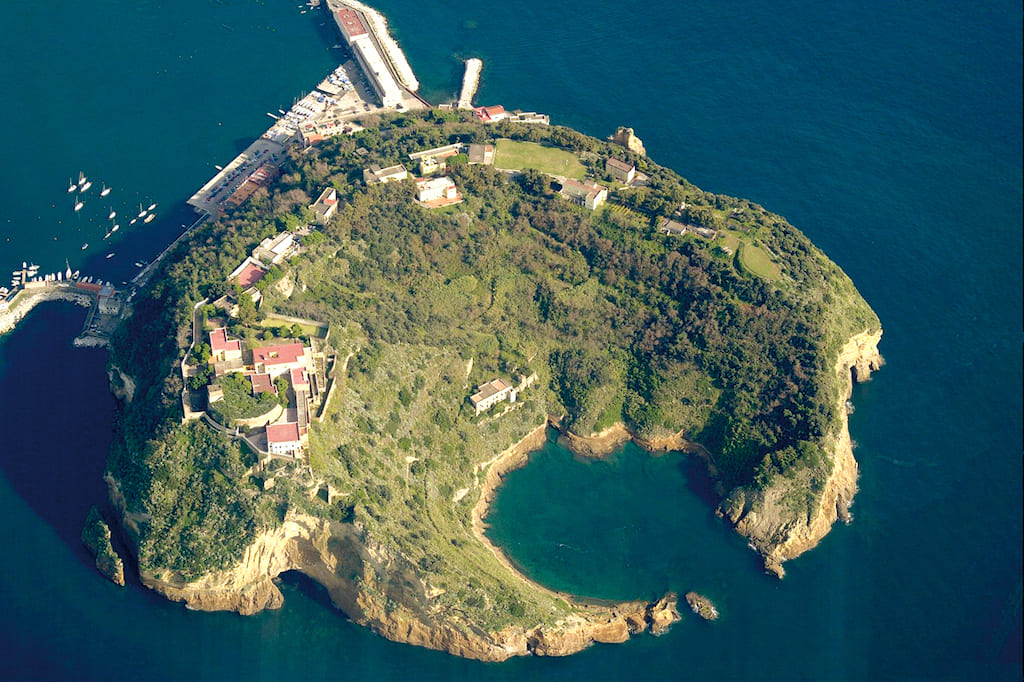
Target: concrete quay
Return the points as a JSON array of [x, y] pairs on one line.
[[470, 82]]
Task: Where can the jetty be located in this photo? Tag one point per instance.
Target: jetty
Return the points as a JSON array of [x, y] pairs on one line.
[[470, 82]]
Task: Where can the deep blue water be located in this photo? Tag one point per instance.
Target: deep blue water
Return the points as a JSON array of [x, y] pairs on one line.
[[889, 132]]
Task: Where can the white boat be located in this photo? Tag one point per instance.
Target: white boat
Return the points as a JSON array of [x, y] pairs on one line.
[[149, 217], [79, 204], [85, 246], [105, 191], [142, 211], [110, 255], [107, 236], [32, 269], [72, 186], [86, 186], [151, 207], [115, 228], [113, 214], [81, 178], [132, 221]]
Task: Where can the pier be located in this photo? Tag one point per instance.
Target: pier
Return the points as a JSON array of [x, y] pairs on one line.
[[470, 82]]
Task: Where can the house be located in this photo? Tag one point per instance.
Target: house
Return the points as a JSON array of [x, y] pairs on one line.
[[436, 192], [481, 154], [273, 250], [262, 383], [589, 194], [490, 394], [376, 175], [300, 385], [283, 439], [223, 350], [278, 359], [325, 205], [430, 165], [491, 114], [620, 170]]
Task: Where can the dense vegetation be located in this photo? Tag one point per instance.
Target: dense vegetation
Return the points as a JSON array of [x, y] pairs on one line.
[[619, 322]]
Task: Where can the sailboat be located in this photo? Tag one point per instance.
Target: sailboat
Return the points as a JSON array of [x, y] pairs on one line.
[[79, 204], [151, 207], [142, 211], [114, 229], [105, 191], [132, 221], [112, 215], [85, 246], [81, 178], [85, 186], [72, 186]]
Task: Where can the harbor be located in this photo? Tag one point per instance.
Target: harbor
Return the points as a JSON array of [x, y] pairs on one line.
[[377, 79]]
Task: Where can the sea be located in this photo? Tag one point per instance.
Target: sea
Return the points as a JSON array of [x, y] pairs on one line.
[[889, 132]]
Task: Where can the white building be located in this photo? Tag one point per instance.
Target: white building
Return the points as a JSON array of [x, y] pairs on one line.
[[370, 60], [435, 189], [283, 439], [375, 174], [490, 394]]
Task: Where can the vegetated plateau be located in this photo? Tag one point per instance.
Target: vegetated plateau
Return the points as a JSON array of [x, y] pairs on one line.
[[729, 342]]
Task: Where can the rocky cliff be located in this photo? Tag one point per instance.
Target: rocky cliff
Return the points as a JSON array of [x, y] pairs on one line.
[[767, 518], [377, 588]]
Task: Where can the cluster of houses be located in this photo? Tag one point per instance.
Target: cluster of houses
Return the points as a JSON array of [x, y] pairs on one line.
[[433, 189], [496, 113], [263, 366]]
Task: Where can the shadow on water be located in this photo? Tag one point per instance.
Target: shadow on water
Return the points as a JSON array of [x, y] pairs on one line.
[[307, 587], [56, 417], [698, 480]]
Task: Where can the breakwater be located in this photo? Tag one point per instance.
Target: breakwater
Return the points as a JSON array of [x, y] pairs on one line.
[[470, 82]]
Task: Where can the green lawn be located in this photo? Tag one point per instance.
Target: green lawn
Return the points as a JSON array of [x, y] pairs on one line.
[[317, 331], [755, 261], [512, 155]]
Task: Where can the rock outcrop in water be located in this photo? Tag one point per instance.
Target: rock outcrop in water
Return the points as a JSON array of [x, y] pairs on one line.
[[96, 538]]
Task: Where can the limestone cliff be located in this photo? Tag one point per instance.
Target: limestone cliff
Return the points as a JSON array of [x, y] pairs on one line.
[[377, 588], [767, 517]]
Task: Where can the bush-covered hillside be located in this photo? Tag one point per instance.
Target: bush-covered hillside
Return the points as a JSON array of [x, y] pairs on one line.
[[730, 340]]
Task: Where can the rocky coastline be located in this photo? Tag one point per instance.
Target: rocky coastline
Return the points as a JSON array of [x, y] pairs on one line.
[[27, 300]]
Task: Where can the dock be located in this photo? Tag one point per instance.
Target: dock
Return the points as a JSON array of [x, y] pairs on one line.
[[470, 82]]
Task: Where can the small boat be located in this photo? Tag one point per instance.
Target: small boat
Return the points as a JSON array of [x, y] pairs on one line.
[[79, 204], [107, 236], [113, 214], [110, 255], [142, 211], [151, 207], [132, 221], [114, 229], [86, 186], [149, 217], [105, 191], [81, 178], [72, 187], [138, 264], [85, 246]]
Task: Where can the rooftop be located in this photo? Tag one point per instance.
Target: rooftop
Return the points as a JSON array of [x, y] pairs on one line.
[[283, 433], [278, 355], [489, 389], [350, 23]]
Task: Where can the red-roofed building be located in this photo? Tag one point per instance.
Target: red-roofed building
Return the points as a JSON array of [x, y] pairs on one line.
[[222, 349], [350, 24], [276, 360], [262, 383], [298, 377], [491, 114], [283, 439], [248, 273]]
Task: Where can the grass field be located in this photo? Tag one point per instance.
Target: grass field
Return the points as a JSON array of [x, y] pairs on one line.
[[512, 155], [755, 261]]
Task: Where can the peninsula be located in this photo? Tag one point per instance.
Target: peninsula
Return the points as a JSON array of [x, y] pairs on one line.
[[391, 305]]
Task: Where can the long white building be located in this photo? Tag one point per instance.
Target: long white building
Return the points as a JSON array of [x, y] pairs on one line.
[[360, 40]]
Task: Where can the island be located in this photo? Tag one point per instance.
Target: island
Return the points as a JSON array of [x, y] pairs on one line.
[[334, 375]]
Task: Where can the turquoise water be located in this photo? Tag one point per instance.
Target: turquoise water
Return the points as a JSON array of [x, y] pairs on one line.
[[889, 133]]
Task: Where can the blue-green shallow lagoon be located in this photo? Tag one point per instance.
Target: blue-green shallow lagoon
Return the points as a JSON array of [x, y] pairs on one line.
[[891, 134]]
